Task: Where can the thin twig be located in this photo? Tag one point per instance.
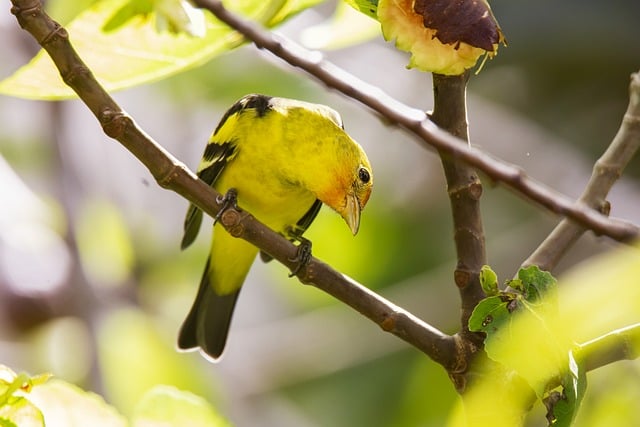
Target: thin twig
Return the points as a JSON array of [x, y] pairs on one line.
[[621, 344], [173, 175], [417, 123], [606, 172]]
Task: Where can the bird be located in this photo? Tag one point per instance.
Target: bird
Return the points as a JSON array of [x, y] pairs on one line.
[[281, 159]]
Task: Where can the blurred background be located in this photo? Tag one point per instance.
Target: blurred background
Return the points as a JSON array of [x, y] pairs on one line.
[[93, 285]]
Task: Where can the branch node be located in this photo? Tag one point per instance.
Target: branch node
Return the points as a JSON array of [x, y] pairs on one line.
[[517, 175], [631, 119], [22, 13], [472, 188], [462, 278], [475, 189], [307, 274], [166, 179], [57, 33], [231, 219], [77, 73], [113, 122], [388, 324]]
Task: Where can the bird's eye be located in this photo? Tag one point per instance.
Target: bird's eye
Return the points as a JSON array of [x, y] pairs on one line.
[[364, 175]]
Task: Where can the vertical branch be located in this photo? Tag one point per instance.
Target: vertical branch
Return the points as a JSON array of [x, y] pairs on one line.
[[464, 189]]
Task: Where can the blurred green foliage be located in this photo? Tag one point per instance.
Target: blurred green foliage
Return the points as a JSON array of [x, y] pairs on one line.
[[123, 44], [37, 401]]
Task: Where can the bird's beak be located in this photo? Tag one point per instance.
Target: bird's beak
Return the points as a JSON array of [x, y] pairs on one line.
[[351, 213]]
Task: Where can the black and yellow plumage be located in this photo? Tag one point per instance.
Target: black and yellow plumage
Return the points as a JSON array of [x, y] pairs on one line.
[[285, 158]]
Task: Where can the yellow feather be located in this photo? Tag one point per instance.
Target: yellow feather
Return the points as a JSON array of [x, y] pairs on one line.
[[281, 156]]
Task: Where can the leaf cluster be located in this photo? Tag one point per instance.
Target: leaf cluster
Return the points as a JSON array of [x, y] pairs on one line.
[[36, 401], [522, 334]]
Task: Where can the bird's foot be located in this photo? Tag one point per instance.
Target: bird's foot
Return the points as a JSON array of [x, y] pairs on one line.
[[303, 255], [228, 201]]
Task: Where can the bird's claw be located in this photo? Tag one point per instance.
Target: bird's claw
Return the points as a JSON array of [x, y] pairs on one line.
[[228, 201], [303, 255]]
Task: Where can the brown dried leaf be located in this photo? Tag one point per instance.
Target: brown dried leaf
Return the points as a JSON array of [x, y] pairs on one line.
[[461, 21]]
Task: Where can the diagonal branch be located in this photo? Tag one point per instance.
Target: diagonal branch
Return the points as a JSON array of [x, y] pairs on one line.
[[416, 122], [173, 175], [606, 172], [615, 346]]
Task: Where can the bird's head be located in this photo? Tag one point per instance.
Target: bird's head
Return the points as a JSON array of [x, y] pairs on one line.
[[352, 186], [330, 163]]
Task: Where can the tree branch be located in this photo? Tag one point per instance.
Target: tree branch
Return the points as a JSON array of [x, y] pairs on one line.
[[606, 171], [173, 175], [621, 344], [416, 122], [464, 189]]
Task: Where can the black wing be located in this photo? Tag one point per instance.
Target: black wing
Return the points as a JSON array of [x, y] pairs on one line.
[[306, 220], [295, 233], [216, 157]]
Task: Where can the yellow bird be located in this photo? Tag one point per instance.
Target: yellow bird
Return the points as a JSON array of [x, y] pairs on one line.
[[283, 158]]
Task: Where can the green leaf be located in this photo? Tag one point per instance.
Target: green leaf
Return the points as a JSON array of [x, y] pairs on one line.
[[12, 383], [175, 16], [21, 412], [9, 384], [368, 7], [128, 11], [6, 423], [65, 10], [491, 314], [536, 283], [15, 408], [283, 9], [179, 16], [516, 284], [345, 28], [574, 384], [488, 280], [64, 404], [135, 52], [521, 339], [523, 335], [165, 406]]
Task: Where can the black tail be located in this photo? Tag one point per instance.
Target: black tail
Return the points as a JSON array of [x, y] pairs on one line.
[[207, 324]]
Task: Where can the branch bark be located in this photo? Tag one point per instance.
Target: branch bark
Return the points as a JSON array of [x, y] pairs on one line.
[[606, 171], [464, 189], [416, 122], [174, 175]]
